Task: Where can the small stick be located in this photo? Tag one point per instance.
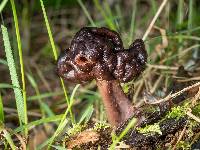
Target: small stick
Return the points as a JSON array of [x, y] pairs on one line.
[[180, 137], [157, 83], [154, 19], [189, 79], [193, 116], [162, 67], [168, 97]]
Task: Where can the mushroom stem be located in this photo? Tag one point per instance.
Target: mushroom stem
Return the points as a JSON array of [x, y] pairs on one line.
[[117, 104]]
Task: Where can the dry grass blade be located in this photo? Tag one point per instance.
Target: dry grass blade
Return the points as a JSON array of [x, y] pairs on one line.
[[154, 19], [190, 79], [157, 83], [162, 67], [170, 96], [22, 142], [160, 47], [180, 137], [3, 4], [193, 116], [14, 76], [83, 138]]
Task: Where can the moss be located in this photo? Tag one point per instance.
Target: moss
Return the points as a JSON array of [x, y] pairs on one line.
[[176, 112], [155, 128], [75, 129], [196, 110], [192, 125], [100, 125], [183, 145], [179, 111]]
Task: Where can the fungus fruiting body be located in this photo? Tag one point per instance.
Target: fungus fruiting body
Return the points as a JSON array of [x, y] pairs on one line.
[[98, 53]]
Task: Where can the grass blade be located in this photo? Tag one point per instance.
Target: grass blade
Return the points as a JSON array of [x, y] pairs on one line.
[[86, 13], [108, 20], [13, 75], [3, 4], [86, 115], [154, 6], [132, 27], [55, 54], [1, 109], [19, 44], [44, 108], [154, 19], [124, 132], [49, 31], [64, 121], [190, 15], [4, 62], [7, 136], [7, 86], [58, 147], [44, 95], [180, 12], [40, 121]]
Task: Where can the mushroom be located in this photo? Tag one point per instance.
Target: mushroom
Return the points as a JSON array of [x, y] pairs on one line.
[[98, 53]]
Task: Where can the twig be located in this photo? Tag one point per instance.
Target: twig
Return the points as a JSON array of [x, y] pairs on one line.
[[189, 79], [170, 96], [30, 113], [157, 83], [40, 74], [193, 116], [196, 136], [182, 53], [195, 98], [180, 137], [148, 71], [154, 19], [164, 44], [162, 67], [22, 142]]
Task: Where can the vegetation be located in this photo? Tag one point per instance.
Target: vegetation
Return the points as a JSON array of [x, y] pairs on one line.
[[38, 110]]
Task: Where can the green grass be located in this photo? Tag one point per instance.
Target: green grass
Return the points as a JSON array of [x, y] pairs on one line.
[[1, 110], [191, 14], [38, 122], [44, 108], [86, 13], [7, 136], [24, 120], [44, 95], [132, 22], [49, 31], [63, 121], [55, 55], [117, 139], [180, 12], [4, 62], [86, 115], [2, 5], [106, 13], [14, 76], [8, 86]]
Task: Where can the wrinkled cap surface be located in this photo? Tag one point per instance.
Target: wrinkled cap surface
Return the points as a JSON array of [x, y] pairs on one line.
[[98, 53]]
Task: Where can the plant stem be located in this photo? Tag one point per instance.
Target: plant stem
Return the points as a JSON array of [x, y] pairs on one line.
[[117, 105]]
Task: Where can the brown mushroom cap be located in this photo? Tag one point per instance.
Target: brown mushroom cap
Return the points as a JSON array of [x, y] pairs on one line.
[[98, 53]]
